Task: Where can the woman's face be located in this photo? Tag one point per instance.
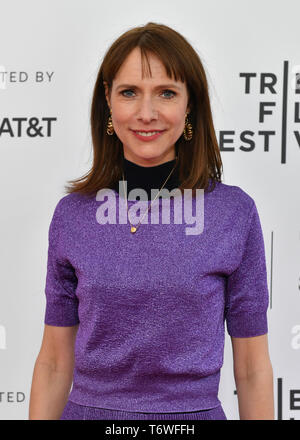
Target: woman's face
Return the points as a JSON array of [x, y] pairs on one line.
[[149, 104]]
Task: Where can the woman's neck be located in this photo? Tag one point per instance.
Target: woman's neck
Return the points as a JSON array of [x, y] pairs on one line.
[[148, 178]]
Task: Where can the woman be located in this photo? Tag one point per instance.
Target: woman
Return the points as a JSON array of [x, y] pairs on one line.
[[136, 308]]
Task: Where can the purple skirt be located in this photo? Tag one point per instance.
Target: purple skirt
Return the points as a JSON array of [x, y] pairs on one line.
[[73, 411]]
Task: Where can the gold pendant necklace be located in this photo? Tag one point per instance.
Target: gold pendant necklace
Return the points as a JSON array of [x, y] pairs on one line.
[[133, 228]]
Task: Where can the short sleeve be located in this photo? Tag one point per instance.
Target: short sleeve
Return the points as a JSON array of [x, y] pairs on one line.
[[61, 281], [247, 295]]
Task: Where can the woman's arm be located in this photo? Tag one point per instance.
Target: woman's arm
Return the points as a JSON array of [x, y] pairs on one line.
[[253, 375], [53, 373]]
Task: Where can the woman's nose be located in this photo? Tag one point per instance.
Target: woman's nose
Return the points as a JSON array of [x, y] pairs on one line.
[[147, 109]]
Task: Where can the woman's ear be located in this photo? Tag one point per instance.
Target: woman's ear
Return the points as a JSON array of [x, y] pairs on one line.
[[106, 93], [189, 108]]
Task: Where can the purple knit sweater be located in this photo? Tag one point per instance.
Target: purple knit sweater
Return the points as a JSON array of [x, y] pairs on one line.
[[151, 306]]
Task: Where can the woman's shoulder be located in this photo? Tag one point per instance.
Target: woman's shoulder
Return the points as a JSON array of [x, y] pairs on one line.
[[71, 203], [232, 196]]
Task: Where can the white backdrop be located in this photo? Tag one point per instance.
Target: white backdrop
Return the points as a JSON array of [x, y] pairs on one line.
[[51, 52]]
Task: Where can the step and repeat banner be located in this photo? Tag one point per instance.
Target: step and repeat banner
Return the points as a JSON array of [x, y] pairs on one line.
[[50, 52]]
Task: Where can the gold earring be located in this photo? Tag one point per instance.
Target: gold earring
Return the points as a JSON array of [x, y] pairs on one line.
[[110, 128], [188, 129]]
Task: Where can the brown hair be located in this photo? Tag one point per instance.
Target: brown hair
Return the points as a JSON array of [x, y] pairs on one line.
[[199, 159]]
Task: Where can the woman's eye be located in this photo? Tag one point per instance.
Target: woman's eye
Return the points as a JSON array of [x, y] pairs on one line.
[[169, 91], [124, 93]]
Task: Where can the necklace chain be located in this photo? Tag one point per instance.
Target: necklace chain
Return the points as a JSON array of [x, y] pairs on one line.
[[133, 228]]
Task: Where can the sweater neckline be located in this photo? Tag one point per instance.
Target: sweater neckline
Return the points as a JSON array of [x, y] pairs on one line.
[[146, 178], [142, 202]]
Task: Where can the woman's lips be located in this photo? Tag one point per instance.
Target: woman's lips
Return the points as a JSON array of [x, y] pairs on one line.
[[148, 138]]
